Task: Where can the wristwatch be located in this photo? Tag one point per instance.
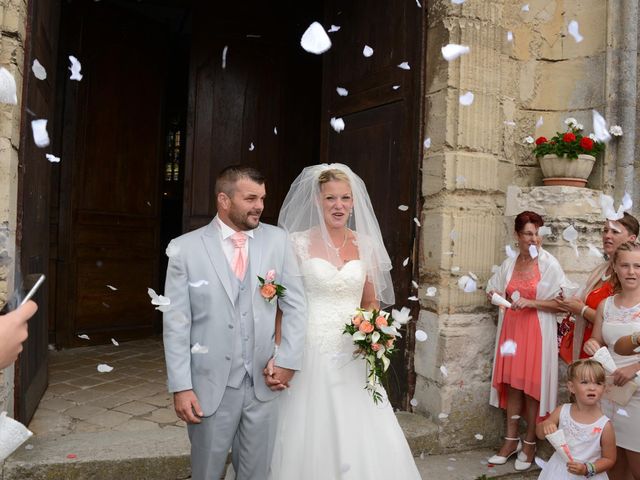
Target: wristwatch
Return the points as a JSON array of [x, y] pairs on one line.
[[634, 338]]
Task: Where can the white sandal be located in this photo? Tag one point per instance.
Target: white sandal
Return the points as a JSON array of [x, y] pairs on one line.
[[521, 460], [499, 459]]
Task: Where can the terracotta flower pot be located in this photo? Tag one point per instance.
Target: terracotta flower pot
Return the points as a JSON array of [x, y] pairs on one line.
[[572, 172]]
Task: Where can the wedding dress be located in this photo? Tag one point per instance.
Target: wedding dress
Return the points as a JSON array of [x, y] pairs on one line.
[[328, 427]]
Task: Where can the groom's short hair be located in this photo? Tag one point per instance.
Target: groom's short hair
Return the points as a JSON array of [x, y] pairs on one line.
[[227, 178]]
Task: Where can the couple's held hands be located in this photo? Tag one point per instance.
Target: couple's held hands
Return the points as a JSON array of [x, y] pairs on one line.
[[187, 406], [14, 331], [277, 378]]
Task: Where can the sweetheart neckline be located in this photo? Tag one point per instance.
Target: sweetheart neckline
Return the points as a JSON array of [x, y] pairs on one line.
[[332, 265]]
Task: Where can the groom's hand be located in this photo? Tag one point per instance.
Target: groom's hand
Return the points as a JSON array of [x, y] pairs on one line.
[[272, 382], [283, 375], [187, 406]]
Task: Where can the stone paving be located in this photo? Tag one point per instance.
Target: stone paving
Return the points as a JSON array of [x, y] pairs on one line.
[[132, 397]]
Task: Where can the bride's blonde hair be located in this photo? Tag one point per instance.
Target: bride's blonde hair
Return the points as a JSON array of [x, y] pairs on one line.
[[332, 174]]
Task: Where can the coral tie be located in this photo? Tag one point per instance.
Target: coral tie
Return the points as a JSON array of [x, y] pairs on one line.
[[239, 264]]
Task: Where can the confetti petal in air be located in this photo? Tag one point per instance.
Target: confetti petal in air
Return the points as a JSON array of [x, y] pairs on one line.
[[594, 252], [529, 140], [367, 51], [478, 436], [508, 348], [623, 412], [413, 402], [404, 66], [431, 291], [455, 269], [7, 87], [40, 135], [466, 99], [402, 316], [414, 284], [252, 147], [540, 462], [224, 56], [544, 231], [540, 122], [275, 130], [471, 286], [427, 142], [616, 131], [104, 368], [396, 87], [343, 92], [515, 417], [52, 158], [337, 124], [515, 296], [75, 68], [111, 287], [525, 7], [509, 36], [453, 235], [418, 3], [197, 348], [403, 208], [474, 276], [457, 2], [83, 336], [573, 31], [510, 251], [509, 123], [444, 371], [405, 262], [416, 221], [600, 127], [38, 70], [421, 336], [198, 284], [333, 28], [570, 234], [533, 251], [413, 298], [115, 342], [163, 303], [315, 39], [443, 416], [452, 51]]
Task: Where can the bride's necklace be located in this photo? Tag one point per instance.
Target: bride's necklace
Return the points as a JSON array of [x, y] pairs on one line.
[[337, 249]]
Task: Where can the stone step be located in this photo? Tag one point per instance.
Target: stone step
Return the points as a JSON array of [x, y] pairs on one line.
[[164, 455]]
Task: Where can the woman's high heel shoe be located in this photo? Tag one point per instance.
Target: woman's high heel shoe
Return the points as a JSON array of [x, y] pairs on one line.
[[499, 459], [522, 462]]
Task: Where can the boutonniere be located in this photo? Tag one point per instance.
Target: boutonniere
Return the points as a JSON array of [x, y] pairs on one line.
[[269, 289]]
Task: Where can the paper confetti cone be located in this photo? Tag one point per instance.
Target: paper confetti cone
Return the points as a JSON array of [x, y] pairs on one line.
[[559, 442], [12, 435], [603, 356], [499, 301]]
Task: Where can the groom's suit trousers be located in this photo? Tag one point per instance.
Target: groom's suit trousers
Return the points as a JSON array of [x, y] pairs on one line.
[[242, 422]]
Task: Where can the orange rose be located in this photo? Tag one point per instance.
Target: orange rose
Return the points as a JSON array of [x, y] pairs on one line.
[[381, 322], [268, 290], [390, 342], [376, 346], [357, 319], [366, 327]]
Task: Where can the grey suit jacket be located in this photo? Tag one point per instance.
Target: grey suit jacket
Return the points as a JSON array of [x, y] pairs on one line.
[[204, 314]]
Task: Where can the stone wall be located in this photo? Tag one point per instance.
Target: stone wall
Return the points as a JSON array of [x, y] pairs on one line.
[[477, 152], [12, 37]]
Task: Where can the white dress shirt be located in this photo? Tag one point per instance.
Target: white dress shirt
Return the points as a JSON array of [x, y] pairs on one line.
[[228, 247]]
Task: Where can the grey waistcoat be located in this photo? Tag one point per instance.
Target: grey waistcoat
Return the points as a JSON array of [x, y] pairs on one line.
[[243, 338]]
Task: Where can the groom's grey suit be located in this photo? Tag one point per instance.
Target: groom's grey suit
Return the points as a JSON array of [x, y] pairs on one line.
[[236, 324]]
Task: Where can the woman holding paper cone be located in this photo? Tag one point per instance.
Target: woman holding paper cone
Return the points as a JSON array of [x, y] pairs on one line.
[[599, 286], [525, 372], [619, 316]]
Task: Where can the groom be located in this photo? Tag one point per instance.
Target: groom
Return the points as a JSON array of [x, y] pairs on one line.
[[216, 302]]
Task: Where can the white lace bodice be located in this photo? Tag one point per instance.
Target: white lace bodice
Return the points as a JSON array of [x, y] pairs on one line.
[[333, 295], [618, 322], [583, 439]]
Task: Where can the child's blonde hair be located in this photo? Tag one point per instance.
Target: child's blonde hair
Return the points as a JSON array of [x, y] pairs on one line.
[[586, 369]]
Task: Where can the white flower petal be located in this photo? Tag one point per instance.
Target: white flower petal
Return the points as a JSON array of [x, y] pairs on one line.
[[529, 140], [623, 412], [275, 130], [457, 2], [395, 87], [333, 28], [515, 296], [83, 336], [38, 70], [52, 158], [367, 51], [111, 287], [115, 342], [104, 368], [224, 56], [315, 39], [600, 127], [252, 147], [343, 92], [416, 221], [198, 284], [510, 251], [616, 131], [471, 286], [40, 135], [431, 291], [466, 99], [444, 371], [421, 336], [525, 7], [413, 402], [573, 31], [404, 66], [540, 122], [443, 416], [403, 208], [509, 36], [544, 231], [570, 234], [75, 68], [405, 262], [533, 251], [452, 51], [414, 284], [337, 124], [7, 87], [427, 142], [508, 348], [401, 316], [478, 436], [197, 348]]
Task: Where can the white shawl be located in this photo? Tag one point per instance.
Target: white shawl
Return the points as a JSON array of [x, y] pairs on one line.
[[551, 277]]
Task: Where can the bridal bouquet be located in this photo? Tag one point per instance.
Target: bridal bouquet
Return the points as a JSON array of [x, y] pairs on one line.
[[374, 333]]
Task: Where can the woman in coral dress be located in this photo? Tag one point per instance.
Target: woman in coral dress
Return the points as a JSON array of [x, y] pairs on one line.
[[525, 369], [576, 329]]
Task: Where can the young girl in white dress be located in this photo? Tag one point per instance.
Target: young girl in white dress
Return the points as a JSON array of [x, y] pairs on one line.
[[588, 432], [617, 317]]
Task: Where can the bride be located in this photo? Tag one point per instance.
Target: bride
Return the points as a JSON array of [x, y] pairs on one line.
[[328, 425]]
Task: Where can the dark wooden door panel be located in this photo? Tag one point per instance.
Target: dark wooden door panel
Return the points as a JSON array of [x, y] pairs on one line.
[[114, 160], [33, 204], [381, 139]]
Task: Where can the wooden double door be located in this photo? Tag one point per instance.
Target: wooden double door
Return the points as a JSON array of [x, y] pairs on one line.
[[252, 95]]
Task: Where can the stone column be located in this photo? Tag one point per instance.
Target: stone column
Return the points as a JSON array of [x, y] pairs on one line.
[[13, 17]]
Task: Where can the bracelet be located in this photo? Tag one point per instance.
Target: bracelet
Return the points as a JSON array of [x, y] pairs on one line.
[[584, 309], [634, 338], [591, 470]]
